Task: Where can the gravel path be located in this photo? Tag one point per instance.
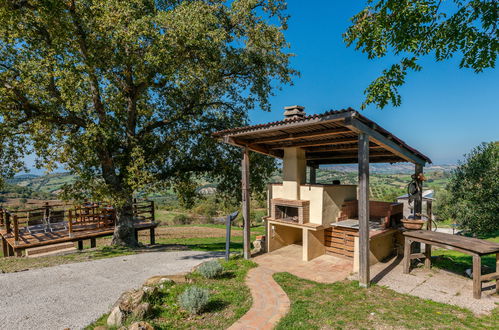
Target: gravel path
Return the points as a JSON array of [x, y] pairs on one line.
[[74, 295]]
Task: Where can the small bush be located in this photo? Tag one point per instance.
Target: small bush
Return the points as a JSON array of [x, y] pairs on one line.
[[194, 299], [211, 269], [181, 219]]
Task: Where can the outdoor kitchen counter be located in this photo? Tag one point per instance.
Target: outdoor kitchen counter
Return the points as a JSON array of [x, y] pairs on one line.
[[308, 225], [375, 228]]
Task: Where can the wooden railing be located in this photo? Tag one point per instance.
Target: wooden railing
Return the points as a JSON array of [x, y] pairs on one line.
[[82, 217]]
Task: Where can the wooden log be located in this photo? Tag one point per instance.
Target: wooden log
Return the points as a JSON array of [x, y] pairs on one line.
[[16, 230], [93, 242], [477, 274], [246, 203], [152, 236], [363, 207], [80, 245]]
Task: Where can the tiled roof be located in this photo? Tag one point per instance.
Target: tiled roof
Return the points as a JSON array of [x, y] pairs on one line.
[[280, 122], [284, 123]]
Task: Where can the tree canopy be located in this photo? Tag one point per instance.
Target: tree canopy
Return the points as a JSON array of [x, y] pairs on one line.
[[472, 197], [411, 29], [126, 94]]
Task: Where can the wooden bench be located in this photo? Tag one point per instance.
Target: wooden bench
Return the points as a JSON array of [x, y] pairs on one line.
[[471, 246]]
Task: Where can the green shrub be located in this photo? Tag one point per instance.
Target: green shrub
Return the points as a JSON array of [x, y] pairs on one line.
[[211, 269], [181, 219], [194, 299]]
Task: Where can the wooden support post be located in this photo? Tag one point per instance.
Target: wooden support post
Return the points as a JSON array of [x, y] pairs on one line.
[[136, 235], [18, 252], [152, 237], [418, 200], [246, 203], [497, 271], [11, 251], [70, 223], [407, 255], [313, 175], [5, 250], [16, 230], [153, 211], [363, 207], [93, 242], [80, 245], [7, 223], [427, 260], [477, 274]]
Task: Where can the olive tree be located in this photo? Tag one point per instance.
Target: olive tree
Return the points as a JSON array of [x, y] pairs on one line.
[[126, 94], [472, 197], [411, 29]]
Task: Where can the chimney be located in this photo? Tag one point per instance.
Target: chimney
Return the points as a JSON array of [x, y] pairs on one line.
[[294, 112]]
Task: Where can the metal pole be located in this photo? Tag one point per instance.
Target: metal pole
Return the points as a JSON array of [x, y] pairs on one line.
[[227, 237]]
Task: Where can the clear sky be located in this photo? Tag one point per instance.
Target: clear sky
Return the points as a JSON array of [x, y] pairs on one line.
[[445, 111]]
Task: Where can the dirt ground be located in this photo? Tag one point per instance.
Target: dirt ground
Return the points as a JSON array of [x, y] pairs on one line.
[[190, 232]]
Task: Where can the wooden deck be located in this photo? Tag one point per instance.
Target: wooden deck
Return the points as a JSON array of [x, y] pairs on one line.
[[472, 246], [26, 240]]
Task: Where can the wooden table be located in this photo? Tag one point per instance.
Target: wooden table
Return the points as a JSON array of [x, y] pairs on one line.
[[472, 246]]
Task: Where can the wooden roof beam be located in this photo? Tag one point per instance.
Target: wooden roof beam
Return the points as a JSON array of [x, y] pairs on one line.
[[376, 137], [352, 155], [306, 135], [355, 161], [315, 143], [255, 148], [347, 147]]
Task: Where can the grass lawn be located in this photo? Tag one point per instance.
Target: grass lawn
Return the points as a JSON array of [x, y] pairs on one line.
[[230, 299], [343, 305]]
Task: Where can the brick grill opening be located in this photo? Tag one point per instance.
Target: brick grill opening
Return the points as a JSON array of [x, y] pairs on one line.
[[297, 211]]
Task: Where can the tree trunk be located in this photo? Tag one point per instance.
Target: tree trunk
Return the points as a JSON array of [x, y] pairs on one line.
[[124, 232]]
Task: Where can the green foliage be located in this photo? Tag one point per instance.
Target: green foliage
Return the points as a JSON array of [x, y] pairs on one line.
[[181, 219], [194, 299], [416, 28], [211, 269], [473, 191], [126, 94]]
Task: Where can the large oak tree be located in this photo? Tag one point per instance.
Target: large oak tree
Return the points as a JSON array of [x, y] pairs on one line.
[[125, 94]]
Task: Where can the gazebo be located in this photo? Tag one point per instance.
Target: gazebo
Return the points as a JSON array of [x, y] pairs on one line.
[[333, 137]]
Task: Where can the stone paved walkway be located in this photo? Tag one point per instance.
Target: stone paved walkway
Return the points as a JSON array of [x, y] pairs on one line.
[[323, 269], [270, 302]]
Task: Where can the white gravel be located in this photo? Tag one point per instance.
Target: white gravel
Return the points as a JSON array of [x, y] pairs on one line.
[[74, 295]]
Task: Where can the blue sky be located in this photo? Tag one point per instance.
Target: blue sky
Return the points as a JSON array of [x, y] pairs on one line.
[[446, 111]]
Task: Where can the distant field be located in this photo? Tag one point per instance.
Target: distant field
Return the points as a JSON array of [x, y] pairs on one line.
[[386, 182]]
